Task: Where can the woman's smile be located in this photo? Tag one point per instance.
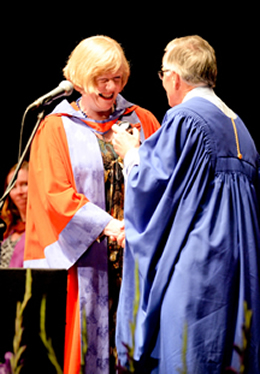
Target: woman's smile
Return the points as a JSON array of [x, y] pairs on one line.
[[106, 97]]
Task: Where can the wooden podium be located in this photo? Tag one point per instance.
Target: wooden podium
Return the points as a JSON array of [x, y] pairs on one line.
[[52, 284]]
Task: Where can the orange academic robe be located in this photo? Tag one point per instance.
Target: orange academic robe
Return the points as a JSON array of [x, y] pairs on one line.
[[66, 214]]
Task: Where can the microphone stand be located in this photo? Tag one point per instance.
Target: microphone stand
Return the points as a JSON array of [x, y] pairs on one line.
[[13, 180]]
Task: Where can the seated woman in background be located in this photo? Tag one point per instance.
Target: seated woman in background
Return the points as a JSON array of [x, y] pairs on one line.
[[14, 215]]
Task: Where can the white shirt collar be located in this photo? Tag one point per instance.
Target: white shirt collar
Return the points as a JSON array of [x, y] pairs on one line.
[[208, 94]]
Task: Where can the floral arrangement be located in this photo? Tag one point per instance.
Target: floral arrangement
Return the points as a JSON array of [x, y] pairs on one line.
[[13, 360], [12, 363]]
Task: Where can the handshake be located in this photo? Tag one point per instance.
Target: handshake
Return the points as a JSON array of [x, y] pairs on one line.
[[116, 231]]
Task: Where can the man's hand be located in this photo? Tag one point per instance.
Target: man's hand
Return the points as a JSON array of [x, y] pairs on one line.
[[121, 239], [123, 141]]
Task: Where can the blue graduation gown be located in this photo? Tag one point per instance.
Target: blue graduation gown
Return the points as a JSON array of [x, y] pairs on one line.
[[192, 222]]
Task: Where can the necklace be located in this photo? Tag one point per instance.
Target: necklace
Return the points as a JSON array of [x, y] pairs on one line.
[[84, 113], [78, 105], [106, 136]]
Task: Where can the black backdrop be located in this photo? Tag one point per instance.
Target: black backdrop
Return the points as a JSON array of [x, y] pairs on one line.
[[36, 43]]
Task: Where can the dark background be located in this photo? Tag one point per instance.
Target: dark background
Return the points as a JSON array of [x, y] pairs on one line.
[[36, 43]]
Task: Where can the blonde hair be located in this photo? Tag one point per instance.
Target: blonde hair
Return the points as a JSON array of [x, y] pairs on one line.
[[93, 57], [193, 59]]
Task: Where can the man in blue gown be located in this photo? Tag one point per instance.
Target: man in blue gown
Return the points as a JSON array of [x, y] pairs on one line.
[[192, 224]]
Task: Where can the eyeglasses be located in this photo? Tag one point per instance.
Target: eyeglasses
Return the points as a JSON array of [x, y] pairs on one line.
[[161, 73]]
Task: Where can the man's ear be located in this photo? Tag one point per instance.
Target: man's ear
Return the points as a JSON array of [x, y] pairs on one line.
[[176, 80]]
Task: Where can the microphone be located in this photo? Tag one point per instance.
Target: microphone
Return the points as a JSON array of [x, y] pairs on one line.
[[65, 88]]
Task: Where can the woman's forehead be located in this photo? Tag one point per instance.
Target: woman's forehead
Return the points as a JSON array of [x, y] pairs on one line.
[[110, 74]]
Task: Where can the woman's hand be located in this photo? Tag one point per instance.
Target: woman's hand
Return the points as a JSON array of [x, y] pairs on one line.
[[114, 229]]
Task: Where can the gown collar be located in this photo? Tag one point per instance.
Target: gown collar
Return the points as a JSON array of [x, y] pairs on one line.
[[207, 93], [99, 126]]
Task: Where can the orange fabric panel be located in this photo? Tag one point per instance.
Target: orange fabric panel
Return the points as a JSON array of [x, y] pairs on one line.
[[52, 189], [72, 348], [148, 120]]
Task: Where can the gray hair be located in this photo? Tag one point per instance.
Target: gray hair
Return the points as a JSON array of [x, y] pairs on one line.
[[193, 59]]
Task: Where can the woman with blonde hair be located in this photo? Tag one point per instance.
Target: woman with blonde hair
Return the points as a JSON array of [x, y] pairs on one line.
[[76, 196]]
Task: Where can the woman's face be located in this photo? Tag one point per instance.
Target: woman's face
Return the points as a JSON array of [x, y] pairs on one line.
[[19, 192], [101, 102]]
